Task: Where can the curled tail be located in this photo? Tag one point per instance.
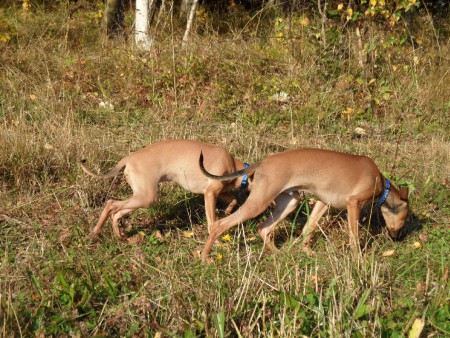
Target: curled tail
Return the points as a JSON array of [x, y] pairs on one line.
[[226, 177], [112, 172]]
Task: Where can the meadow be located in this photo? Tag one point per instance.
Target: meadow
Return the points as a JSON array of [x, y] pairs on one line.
[[255, 83]]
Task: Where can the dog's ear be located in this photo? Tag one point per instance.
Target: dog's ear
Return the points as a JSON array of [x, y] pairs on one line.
[[403, 192]]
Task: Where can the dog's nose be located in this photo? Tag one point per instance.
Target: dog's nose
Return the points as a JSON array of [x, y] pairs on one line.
[[397, 235], [394, 234]]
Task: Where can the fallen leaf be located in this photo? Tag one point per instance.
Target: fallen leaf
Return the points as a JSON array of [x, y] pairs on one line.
[[316, 278], [420, 287], [32, 97], [188, 234], [159, 235], [417, 245], [347, 111], [423, 237], [136, 239], [445, 276], [388, 253], [416, 328]]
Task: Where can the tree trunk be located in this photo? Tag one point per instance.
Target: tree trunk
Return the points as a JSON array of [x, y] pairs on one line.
[[189, 22], [112, 22], [141, 35]]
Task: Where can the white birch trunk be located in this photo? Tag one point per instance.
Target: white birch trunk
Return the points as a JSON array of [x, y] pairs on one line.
[[189, 22], [141, 36]]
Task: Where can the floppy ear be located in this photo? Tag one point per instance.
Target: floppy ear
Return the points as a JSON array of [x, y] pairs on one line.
[[403, 192]]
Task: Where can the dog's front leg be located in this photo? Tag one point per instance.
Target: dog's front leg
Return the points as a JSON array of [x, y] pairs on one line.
[[210, 206], [230, 200]]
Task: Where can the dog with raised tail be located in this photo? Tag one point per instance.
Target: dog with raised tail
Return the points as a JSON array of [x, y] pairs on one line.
[[339, 180], [173, 160]]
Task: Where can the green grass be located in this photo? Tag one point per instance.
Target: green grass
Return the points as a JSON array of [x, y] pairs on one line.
[[64, 96]]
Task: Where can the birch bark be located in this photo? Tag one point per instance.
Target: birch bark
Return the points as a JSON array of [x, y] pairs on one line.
[[141, 35]]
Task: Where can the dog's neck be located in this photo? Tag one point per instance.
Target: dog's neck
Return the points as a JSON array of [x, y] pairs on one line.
[[384, 195]]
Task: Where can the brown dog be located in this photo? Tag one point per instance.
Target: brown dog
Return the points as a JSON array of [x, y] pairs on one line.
[[336, 179], [176, 161]]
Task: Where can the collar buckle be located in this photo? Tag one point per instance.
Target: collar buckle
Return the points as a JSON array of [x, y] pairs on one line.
[[245, 178]]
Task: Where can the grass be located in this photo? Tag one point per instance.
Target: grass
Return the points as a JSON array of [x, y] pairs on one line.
[[64, 96]]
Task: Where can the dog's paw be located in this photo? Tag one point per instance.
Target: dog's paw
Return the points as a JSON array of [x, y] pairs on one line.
[[92, 236]]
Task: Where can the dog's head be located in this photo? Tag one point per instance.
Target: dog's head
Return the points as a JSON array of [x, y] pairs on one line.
[[395, 211]]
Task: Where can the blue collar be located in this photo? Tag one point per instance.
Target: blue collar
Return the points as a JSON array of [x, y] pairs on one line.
[[387, 189], [245, 178]]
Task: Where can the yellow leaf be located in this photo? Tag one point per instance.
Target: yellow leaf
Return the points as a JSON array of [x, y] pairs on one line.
[[304, 21], [394, 68], [416, 328], [32, 97], [188, 234], [340, 7], [226, 238], [347, 111], [388, 253], [349, 13], [372, 81], [219, 257], [417, 245]]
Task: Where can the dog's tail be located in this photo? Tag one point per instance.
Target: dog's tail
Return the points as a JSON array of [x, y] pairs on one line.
[[226, 177], [112, 172]]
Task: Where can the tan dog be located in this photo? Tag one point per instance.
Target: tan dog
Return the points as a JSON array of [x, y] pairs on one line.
[[176, 161], [336, 179]]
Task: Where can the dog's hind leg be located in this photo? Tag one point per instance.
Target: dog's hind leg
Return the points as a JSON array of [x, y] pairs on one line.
[[125, 207], [251, 208], [313, 220], [103, 217], [284, 204]]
